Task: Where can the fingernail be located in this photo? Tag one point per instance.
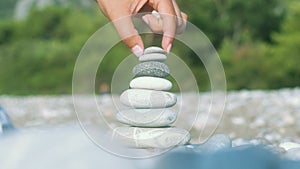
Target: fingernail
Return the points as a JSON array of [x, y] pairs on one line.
[[156, 14], [137, 50], [145, 20], [169, 48]]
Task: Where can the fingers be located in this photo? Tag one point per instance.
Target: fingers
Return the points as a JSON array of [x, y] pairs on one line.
[[155, 24], [146, 8], [129, 35], [168, 15], [137, 5], [181, 28], [178, 13], [120, 16], [170, 21]]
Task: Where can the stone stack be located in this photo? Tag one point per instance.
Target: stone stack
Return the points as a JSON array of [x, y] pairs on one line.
[[149, 118]]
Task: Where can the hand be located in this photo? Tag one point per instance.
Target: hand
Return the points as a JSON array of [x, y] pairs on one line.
[[171, 20]]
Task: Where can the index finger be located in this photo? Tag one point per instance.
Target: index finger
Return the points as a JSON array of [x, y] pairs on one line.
[[129, 34]]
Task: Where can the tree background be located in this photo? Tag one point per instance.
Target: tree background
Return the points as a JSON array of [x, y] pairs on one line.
[[258, 43]]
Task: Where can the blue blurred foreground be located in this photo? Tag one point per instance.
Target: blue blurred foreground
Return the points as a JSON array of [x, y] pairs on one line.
[[68, 148], [236, 158]]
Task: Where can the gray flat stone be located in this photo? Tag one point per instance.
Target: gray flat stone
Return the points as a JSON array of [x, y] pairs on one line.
[[147, 82], [154, 49], [159, 57], [147, 117], [147, 99], [151, 137], [152, 68]]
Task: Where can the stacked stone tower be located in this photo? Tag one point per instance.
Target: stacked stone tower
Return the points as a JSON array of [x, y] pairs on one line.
[[149, 117]]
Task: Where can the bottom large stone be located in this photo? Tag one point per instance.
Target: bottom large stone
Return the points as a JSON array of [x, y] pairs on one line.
[[151, 137], [147, 117]]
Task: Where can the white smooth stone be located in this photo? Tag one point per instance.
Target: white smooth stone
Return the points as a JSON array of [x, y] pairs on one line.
[[146, 99], [147, 117], [154, 49], [147, 82], [159, 57], [151, 137], [289, 145]]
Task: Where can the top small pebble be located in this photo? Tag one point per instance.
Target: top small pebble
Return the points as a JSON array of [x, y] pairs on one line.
[[159, 57], [154, 49]]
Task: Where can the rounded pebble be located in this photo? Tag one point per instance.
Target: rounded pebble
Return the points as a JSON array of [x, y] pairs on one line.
[[289, 145], [147, 117], [159, 57], [147, 82], [154, 49], [215, 143], [151, 137], [152, 68], [146, 99]]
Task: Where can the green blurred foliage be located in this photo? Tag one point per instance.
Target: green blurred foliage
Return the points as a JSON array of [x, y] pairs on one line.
[[283, 56], [235, 19], [6, 7], [256, 64], [37, 55], [258, 43], [244, 65]]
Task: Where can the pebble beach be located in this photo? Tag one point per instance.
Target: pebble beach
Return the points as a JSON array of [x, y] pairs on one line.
[[255, 117]]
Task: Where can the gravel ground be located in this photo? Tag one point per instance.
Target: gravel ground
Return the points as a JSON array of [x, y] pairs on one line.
[[269, 117]]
